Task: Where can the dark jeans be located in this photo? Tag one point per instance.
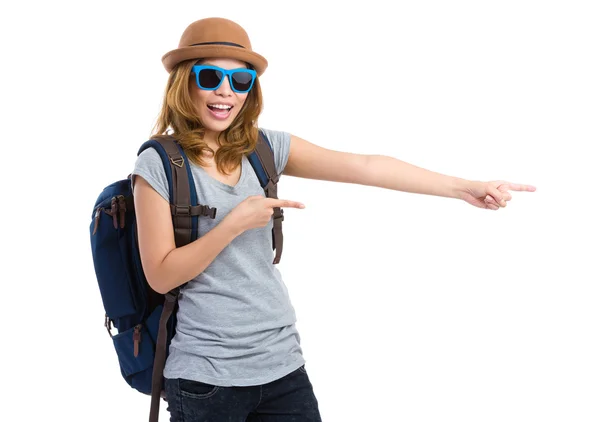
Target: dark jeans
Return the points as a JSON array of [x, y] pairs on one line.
[[288, 399]]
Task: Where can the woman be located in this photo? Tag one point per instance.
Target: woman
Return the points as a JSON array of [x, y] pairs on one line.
[[236, 354]]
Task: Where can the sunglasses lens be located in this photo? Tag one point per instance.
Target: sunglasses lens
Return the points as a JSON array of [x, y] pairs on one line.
[[242, 81], [210, 78]]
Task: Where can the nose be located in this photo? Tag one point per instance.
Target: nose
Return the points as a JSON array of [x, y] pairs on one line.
[[224, 89]]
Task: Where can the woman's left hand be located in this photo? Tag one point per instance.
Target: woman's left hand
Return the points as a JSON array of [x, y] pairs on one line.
[[492, 195]]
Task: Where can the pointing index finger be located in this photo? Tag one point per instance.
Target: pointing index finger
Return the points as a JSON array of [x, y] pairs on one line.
[[521, 187], [284, 203]]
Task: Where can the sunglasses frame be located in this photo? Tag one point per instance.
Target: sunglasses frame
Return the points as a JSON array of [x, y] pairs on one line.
[[227, 73]]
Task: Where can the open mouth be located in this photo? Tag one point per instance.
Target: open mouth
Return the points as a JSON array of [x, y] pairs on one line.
[[220, 111]]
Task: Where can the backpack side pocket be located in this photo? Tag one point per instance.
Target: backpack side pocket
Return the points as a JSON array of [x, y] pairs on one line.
[[135, 349]]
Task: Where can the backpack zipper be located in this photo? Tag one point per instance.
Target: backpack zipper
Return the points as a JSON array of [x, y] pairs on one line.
[[137, 338], [118, 208], [113, 210], [97, 219]]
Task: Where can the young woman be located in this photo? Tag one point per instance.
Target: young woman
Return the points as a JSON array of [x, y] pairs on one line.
[[236, 354]]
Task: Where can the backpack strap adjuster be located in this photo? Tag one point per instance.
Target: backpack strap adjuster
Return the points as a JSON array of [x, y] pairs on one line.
[[278, 214], [177, 161], [193, 210], [270, 189], [181, 210]]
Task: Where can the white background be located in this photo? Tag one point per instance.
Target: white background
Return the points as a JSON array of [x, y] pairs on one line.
[[411, 308]]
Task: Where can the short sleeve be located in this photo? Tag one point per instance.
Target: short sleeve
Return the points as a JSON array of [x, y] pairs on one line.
[[280, 141], [149, 165]]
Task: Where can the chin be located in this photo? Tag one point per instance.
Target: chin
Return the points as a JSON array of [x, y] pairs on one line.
[[215, 125]]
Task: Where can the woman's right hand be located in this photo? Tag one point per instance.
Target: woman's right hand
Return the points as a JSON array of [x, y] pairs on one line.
[[256, 211]]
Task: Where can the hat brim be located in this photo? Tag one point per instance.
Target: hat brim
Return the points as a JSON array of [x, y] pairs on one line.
[[173, 57]]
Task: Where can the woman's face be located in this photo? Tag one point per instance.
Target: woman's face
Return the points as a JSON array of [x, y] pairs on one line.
[[218, 108]]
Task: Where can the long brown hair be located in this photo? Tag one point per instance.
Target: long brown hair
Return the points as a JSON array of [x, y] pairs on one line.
[[178, 118]]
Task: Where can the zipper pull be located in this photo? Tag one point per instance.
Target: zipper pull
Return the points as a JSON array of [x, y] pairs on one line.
[[113, 210], [97, 220], [122, 209], [137, 338]]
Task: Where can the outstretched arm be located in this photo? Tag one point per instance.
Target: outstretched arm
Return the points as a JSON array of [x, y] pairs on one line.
[[311, 161]]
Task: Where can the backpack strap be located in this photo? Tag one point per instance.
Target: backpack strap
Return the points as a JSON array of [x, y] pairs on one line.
[[180, 190], [160, 354], [182, 193], [185, 211], [263, 162]]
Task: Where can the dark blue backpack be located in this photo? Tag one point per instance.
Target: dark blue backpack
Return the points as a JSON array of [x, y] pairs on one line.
[[146, 320]]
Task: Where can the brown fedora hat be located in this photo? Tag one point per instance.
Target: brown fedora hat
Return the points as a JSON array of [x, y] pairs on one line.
[[214, 37]]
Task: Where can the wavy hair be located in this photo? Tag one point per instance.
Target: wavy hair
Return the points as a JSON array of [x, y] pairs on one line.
[[178, 118]]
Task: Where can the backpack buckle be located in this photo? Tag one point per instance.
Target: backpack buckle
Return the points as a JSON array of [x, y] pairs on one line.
[[209, 212]]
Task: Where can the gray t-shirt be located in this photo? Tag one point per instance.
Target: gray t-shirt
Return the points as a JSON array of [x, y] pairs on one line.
[[235, 324]]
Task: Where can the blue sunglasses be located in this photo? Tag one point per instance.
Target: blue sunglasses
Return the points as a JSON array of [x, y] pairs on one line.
[[211, 77]]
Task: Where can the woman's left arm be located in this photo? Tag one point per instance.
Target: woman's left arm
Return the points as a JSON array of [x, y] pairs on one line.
[[311, 161]]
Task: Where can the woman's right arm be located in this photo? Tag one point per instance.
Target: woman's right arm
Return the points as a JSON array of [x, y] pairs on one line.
[[165, 265]]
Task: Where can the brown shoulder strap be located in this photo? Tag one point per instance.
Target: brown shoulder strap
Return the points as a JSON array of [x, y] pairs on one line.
[[182, 219], [182, 212], [267, 159], [160, 354]]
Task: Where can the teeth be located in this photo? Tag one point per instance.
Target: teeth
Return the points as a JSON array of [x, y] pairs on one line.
[[221, 106]]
